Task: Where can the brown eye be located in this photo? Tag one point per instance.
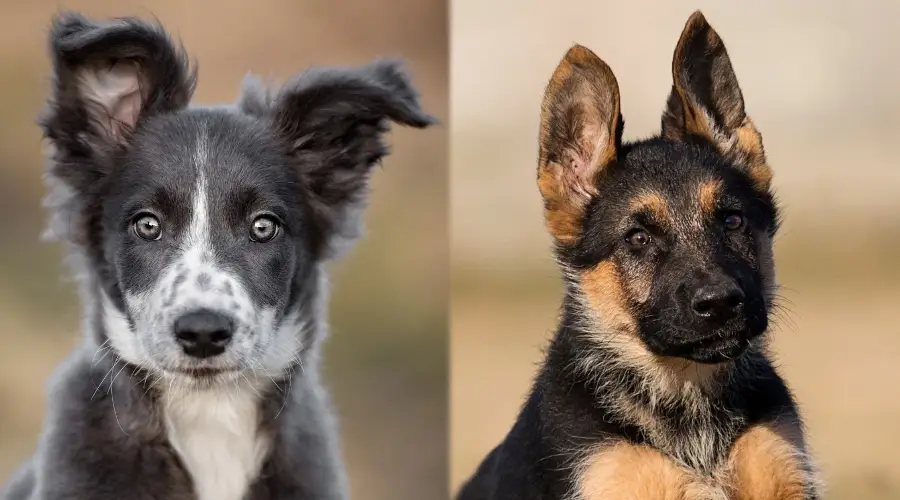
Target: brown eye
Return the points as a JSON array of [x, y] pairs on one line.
[[733, 222], [147, 227], [638, 238], [263, 229]]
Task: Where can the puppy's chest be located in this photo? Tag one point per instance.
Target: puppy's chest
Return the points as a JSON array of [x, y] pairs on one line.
[[218, 439], [759, 465]]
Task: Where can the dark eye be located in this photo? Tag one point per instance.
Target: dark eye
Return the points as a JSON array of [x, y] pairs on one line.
[[638, 238], [263, 229], [147, 227], [734, 222]]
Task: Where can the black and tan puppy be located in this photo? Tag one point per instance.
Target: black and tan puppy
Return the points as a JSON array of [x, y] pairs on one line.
[[657, 384]]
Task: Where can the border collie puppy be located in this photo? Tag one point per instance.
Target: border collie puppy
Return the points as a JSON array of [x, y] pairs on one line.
[[199, 236]]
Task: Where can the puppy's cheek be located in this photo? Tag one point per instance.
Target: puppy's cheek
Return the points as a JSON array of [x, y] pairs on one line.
[[122, 333], [280, 341]]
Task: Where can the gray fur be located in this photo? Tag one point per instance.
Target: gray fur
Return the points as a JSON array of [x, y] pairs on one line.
[[124, 144]]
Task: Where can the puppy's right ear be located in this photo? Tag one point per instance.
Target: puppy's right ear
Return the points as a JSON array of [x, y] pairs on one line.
[[106, 78], [580, 135]]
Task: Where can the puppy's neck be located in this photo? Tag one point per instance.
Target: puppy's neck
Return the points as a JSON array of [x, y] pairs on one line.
[[678, 406], [217, 433]]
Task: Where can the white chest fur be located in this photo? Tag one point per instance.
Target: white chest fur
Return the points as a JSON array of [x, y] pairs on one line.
[[215, 432]]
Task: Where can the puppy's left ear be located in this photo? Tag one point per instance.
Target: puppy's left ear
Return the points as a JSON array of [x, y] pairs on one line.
[[706, 101], [334, 120]]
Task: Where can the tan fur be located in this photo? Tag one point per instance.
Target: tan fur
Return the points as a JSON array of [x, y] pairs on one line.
[[767, 464], [708, 196], [605, 293], [655, 204], [629, 472], [749, 143], [626, 471], [584, 90]]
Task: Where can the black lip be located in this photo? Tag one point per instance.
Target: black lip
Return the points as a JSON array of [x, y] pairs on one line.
[[203, 372], [715, 349]]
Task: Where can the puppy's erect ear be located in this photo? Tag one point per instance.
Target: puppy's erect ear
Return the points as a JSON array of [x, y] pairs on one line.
[[580, 135], [706, 101], [334, 120], [108, 76]]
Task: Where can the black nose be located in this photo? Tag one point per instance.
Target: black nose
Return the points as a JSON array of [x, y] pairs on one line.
[[203, 334], [720, 301]]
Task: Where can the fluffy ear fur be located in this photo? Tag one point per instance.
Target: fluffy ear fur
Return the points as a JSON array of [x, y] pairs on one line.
[[580, 136], [106, 78], [334, 120], [706, 102]]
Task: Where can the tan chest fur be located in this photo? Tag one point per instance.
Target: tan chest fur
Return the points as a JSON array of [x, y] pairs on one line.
[[765, 463]]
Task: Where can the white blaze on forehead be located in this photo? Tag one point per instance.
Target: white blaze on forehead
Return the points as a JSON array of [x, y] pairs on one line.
[[197, 237]]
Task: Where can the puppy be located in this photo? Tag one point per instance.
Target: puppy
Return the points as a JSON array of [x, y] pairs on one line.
[[199, 236], [657, 384]]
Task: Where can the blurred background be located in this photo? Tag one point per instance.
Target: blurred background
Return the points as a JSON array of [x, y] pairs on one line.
[[386, 359], [820, 79]]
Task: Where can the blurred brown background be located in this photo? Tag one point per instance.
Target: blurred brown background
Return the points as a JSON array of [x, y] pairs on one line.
[[386, 362], [820, 79]]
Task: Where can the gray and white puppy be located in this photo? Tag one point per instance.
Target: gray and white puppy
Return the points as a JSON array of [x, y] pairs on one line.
[[199, 236]]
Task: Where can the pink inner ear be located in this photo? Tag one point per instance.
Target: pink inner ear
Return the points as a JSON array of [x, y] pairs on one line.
[[115, 92]]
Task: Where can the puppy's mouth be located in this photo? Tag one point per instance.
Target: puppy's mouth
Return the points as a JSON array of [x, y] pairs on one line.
[[706, 346], [715, 349], [204, 372]]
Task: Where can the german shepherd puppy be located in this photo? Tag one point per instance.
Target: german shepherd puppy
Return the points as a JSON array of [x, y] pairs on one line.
[[657, 384]]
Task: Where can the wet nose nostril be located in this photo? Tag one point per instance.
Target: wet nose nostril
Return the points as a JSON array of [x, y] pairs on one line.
[[717, 302], [220, 337], [734, 301], [702, 307], [203, 333]]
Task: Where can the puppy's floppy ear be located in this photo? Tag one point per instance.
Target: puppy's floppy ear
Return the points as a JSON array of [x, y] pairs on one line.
[[107, 76], [706, 101], [580, 136], [334, 120]]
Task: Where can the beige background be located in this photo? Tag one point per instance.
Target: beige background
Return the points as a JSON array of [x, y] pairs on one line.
[[386, 360], [820, 79]]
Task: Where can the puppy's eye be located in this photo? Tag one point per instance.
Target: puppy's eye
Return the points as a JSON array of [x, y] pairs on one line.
[[264, 228], [734, 221], [147, 227], [638, 238]]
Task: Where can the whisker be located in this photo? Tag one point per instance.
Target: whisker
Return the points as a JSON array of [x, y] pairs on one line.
[[108, 373]]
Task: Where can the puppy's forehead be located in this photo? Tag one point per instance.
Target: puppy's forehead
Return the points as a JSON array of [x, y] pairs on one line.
[[671, 180], [227, 151]]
